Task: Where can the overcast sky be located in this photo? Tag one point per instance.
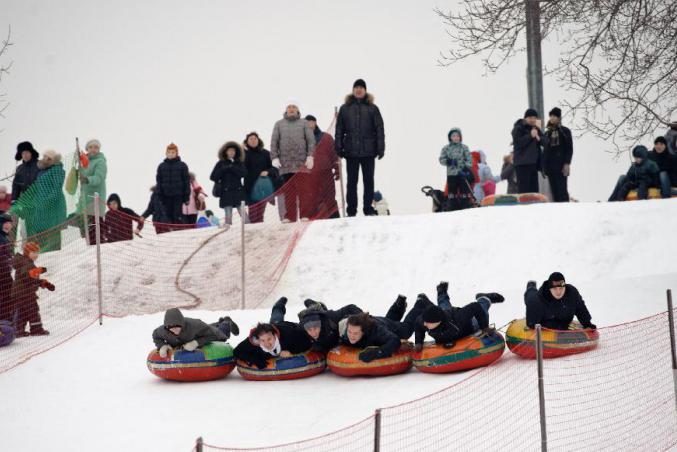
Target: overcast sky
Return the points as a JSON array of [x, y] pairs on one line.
[[138, 75]]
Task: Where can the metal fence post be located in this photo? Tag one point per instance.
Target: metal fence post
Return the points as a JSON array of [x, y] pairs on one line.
[[199, 443], [97, 224], [340, 162], [541, 389], [377, 430], [242, 221], [671, 324]]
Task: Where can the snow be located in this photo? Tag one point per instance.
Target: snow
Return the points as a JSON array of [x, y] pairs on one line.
[[94, 392]]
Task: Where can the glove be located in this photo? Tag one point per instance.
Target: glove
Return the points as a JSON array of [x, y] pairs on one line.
[[190, 346], [448, 345], [590, 326], [277, 164], [36, 272], [310, 162], [164, 350], [418, 347], [380, 155], [47, 285], [368, 356]]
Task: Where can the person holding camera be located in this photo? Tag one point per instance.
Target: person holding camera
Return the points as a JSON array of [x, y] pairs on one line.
[[528, 139]]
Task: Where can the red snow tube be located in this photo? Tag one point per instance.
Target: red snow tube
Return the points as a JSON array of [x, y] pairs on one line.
[[344, 361], [467, 353], [512, 200], [211, 362], [522, 340], [296, 366]]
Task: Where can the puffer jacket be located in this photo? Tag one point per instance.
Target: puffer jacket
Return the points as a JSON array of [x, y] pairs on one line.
[[292, 143], [359, 129], [191, 329], [456, 156], [229, 174]]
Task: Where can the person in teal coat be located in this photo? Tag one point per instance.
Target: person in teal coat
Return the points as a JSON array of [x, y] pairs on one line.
[[93, 180], [43, 205]]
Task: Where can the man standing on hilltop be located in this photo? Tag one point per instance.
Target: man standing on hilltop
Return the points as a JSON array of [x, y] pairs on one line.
[[360, 138]]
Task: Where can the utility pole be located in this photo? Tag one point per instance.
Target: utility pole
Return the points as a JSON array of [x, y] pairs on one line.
[[534, 61]]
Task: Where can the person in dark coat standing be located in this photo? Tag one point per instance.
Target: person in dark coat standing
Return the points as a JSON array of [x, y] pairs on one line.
[[6, 251], [381, 334], [118, 224], [360, 139], [27, 171], [267, 341], [326, 171], [667, 166], [27, 281], [179, 331], [642, 175], [259, 164], [227, 176], [527, 139], [173, 184], [555, 304], [557, 153]]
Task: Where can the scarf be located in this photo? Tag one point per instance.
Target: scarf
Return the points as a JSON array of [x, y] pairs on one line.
[[554, 135]]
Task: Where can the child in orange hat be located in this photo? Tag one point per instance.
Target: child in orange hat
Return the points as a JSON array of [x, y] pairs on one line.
[[24, 291]]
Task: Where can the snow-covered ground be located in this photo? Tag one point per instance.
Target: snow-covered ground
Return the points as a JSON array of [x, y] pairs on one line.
[[94, 392]]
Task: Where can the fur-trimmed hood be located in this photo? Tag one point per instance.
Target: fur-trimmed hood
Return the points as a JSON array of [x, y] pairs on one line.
[[49, 159], [350, 99], [239, 154]]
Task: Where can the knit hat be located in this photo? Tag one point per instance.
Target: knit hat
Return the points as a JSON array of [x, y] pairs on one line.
[[25, 146], [310, 118], [311, 321], [530, 112], [174, 147], [660, 140], [31, 247], [640, 151], [94, 142], [433, 314], [293, 101], [555, 277], [360, 82], [555, 112], [378, 196]]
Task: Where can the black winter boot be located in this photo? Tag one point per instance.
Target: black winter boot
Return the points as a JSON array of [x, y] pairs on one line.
[[531, 285], [442, 287], [230, 325], [309, 302], [492, 296], [398, 308]]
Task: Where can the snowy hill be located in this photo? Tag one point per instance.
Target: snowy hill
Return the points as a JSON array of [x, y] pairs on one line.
[[94, 392]]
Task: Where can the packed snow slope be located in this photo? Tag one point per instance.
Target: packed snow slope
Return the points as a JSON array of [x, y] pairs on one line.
[[95, 393]]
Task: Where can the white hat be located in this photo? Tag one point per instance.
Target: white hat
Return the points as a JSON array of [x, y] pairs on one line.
[[95, 142]]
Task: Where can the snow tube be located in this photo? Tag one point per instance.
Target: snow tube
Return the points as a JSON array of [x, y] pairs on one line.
[[512, 200], [344, 361], [654, 193], [7, 333], [211, 362], [296, 366], [467, 353], [522, 340]]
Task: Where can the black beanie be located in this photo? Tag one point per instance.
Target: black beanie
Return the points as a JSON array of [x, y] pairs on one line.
[[433, 314], [660, 140], [530, 112], [555, 112], [310, 118], [360, 82], [556, 277]]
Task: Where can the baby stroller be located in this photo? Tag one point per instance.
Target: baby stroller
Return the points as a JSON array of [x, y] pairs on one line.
[[443, 201]]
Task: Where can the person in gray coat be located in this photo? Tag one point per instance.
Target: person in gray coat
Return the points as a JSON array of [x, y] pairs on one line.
[[180, 331], [291, 150]]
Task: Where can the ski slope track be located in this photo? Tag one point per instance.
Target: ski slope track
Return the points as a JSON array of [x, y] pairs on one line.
[[94, 392]]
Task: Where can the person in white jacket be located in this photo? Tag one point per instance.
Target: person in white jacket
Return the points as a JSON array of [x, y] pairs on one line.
[[487, 183]]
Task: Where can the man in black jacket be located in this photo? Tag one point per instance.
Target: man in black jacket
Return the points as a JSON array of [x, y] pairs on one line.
[[555, 304], [557, 153], [381, 334], [180, 331], [447, 324], [360, 138], [173, 184], [527, 139], [667, 165], [27, 172], [266, 341]]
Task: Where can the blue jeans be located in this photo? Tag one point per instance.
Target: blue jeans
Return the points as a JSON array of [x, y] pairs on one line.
[[666, 186]]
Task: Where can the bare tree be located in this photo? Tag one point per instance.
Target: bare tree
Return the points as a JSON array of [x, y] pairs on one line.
[[4, 69], [618, 56]]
